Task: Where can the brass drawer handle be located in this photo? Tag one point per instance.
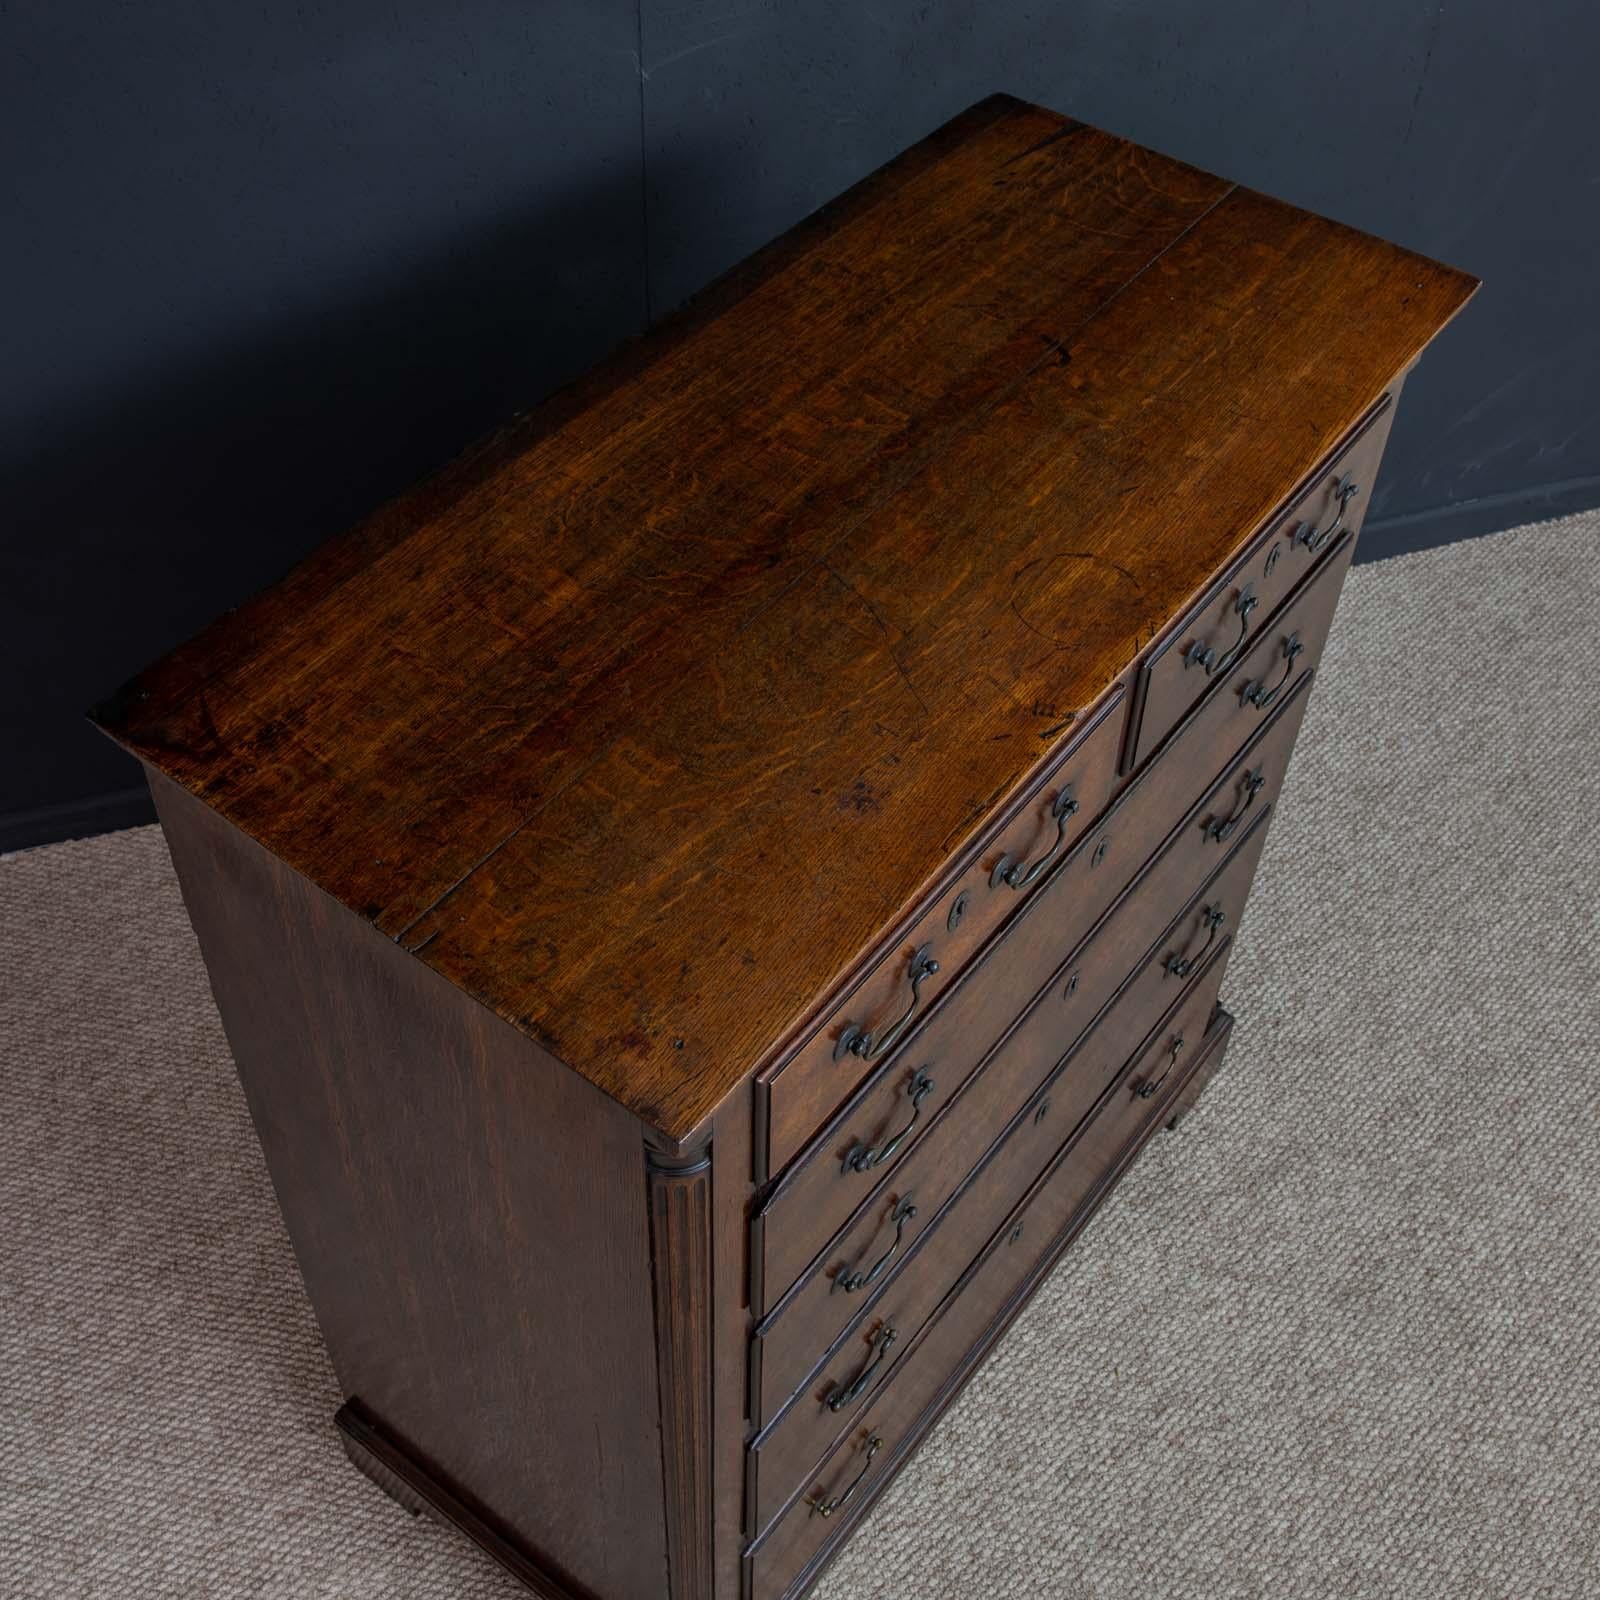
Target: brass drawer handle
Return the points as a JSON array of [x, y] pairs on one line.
[[1179, 964], [826, 1508], [1012, 873], [1152, 1086], [1313, 537], [859, 1041], [881, 1340], [863, 1158], [1223, 828], [1203, 655], [1256, 693], [903, 1213]]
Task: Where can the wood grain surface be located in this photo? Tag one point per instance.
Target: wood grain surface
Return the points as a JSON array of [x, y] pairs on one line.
[[642, 726], [470, 1219]]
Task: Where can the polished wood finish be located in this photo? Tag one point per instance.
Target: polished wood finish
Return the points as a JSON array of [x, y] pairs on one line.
[[889, 665], [807, 1321], [700, 630], [1022, 1149]]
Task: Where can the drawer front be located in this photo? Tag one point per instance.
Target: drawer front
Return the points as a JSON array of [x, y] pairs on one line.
[[881, 1123], [863, 1030], [844, 1385], [786, 1555], [868, 1254], [1209, 640]]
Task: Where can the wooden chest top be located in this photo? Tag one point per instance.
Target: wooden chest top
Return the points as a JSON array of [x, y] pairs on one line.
[[646, 719]]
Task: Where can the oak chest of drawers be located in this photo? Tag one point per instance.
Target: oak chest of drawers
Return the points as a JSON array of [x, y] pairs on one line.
[[708, 894]]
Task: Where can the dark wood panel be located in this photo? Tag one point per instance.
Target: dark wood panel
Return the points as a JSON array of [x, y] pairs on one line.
[[796, 599], [731, 1192], [682, 1258], [469, 1217], [376, 1453]]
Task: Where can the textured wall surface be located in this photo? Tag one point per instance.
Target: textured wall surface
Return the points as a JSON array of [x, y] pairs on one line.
[[267, 265]]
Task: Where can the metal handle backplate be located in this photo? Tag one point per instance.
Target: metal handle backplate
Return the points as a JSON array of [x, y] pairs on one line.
[[1255, 692], [1013, 873], [1345, 490], [826, 1508], [1251, 783], [862, 1042], [1200, 654], [1180, 963], [1152, 1086], [864, 1157], [877, 1350], [850, 1282]]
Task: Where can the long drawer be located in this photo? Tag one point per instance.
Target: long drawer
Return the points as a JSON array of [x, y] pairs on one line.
[[870, 1251], [787, 1553], [863, 1028], [883, 1121], [1210, 637]]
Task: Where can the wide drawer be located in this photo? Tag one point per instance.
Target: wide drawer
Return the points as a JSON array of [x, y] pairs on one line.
[[843, 1386], [787, 1555], [814, 1311], [862, 1029], [1208, 640]]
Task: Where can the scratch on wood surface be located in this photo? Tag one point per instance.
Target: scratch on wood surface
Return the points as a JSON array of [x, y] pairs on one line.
[[1049, 139], [888, 633]]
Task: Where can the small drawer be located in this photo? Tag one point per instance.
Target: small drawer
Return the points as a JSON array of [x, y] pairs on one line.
[[886, 1229], [789, 1553], [866, 1027], [1208, 641], [844, 1384]]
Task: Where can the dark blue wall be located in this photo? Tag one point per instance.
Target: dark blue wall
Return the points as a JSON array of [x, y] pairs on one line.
[[266, 265]]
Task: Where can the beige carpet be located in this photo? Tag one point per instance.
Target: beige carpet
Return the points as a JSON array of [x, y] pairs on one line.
[[1338, 1336]]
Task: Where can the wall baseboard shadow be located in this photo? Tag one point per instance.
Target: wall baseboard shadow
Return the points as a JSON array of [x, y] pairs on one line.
[[1385, 537], [76, 819]]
